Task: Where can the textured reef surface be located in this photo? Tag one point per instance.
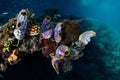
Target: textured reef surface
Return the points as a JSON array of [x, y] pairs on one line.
[[59, 41]]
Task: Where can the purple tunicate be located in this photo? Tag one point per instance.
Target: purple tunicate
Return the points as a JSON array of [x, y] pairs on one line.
[[22, 20], [47, 34], [45, 24], [57, 32], [60, 51], [57, 55], [21, 25]]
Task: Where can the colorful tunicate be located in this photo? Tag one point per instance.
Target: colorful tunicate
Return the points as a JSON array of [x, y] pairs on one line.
[[21, 25], [61, 45], [13, 57], [85, 37], [45, 24], [57, 32], [34, 30], [61, 51], [47, 34]]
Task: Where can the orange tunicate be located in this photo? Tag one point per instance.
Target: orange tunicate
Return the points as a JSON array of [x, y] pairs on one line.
[[13, 56]]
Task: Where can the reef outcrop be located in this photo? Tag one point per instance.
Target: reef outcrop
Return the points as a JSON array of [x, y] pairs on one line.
[[60, 41]]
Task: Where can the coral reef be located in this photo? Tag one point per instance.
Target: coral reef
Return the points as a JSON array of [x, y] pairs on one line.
[[101, 60], [58, 41]]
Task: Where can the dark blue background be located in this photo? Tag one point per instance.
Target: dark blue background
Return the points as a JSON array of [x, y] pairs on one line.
[[104, 11]]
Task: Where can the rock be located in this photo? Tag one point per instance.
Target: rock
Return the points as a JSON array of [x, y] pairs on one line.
[[70, 32]]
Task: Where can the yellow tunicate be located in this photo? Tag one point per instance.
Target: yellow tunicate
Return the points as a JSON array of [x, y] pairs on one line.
[[52, 55], [67, 52], [67, 49], [12, 58], [33, 26], [61, 57]]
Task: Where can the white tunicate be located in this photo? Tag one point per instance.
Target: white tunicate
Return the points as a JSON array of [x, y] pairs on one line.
[[86, 37], [19, 34]]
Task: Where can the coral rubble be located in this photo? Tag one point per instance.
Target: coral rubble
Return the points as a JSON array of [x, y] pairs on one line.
[[61, 41]]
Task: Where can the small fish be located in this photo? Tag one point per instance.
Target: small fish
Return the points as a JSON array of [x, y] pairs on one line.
[[2, 15], [5, 13]]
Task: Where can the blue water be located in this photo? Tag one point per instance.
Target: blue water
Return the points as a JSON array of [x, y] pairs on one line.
[[104, 11]]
